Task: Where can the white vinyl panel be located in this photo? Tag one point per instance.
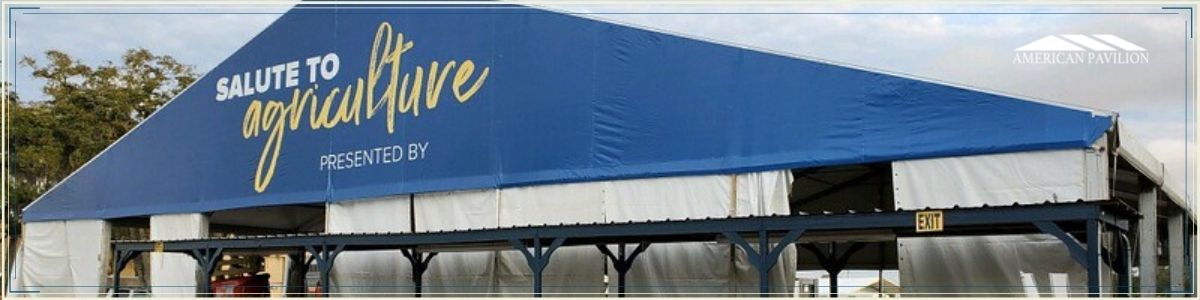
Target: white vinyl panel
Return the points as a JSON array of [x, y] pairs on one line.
[[572, 270], [764, 194], [368, 273], [459, 272], [699, 268], [995, 179], [63, 258], [175, 274]]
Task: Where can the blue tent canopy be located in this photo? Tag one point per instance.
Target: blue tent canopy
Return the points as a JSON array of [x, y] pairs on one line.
[[331, 104]]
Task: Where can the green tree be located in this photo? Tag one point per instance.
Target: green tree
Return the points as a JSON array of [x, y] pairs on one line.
[[87, 107]]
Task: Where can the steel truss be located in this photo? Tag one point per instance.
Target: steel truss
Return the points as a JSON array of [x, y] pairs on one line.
[[1075, 224]]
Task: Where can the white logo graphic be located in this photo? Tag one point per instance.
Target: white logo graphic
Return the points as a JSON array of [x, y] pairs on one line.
[[1073, 49]]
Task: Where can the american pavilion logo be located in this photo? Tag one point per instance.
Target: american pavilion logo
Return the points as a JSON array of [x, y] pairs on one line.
[[1080, 49]]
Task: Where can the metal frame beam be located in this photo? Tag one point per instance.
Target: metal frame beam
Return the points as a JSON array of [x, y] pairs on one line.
[[957, 222], [1074, 247], [971, 221]]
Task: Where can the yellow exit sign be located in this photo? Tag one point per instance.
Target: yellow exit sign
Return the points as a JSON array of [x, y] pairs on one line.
[[930, 221]]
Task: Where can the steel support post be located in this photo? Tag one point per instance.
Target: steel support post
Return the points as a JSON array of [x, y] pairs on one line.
[[1093, 258], [298, 269], [538, 259], [833, 262], [1188, 233], [1124, 265], [420, 263], [120, 259], [879, 276], [1148, 240], [324, 257], [833, 271], [207, 258], [622, 263], [1087, 254], [1175, 263], [766, 256]]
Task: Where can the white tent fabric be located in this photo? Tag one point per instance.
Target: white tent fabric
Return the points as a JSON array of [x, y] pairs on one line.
[[1001, 179], [359, 273], [701, 267], [1142, 160], [16, 282], [1138, 156], [467, 272], [1022, 265], [1014, 265], [760, 194], [572, 270], [667, 268], [70, 258], [174, 274]]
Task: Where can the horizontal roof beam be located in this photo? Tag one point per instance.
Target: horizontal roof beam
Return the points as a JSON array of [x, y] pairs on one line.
[[971, 221]]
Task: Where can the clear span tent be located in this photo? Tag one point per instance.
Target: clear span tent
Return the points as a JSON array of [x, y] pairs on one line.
[[352, 119]]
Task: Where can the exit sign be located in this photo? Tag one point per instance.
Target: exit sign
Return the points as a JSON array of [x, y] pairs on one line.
[[930, 221]]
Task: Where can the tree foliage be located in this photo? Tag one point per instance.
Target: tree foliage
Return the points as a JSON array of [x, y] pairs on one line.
[[87, 107]]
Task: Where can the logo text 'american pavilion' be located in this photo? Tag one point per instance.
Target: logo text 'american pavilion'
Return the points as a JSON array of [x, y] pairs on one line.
[[1079, 49]]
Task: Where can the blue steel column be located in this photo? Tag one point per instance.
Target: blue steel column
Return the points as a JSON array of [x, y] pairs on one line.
[[1124, 265], [832, 271], [765, 257], [1087, 255], [207, 258], [116, 272], [295, 283], [622, 263], [324, 258], [538, 259], [1093, 258], [833, 262], [420, 263], [120, 258]]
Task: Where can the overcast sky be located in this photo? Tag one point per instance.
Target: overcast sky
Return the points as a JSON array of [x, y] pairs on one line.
[[956, 45]]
